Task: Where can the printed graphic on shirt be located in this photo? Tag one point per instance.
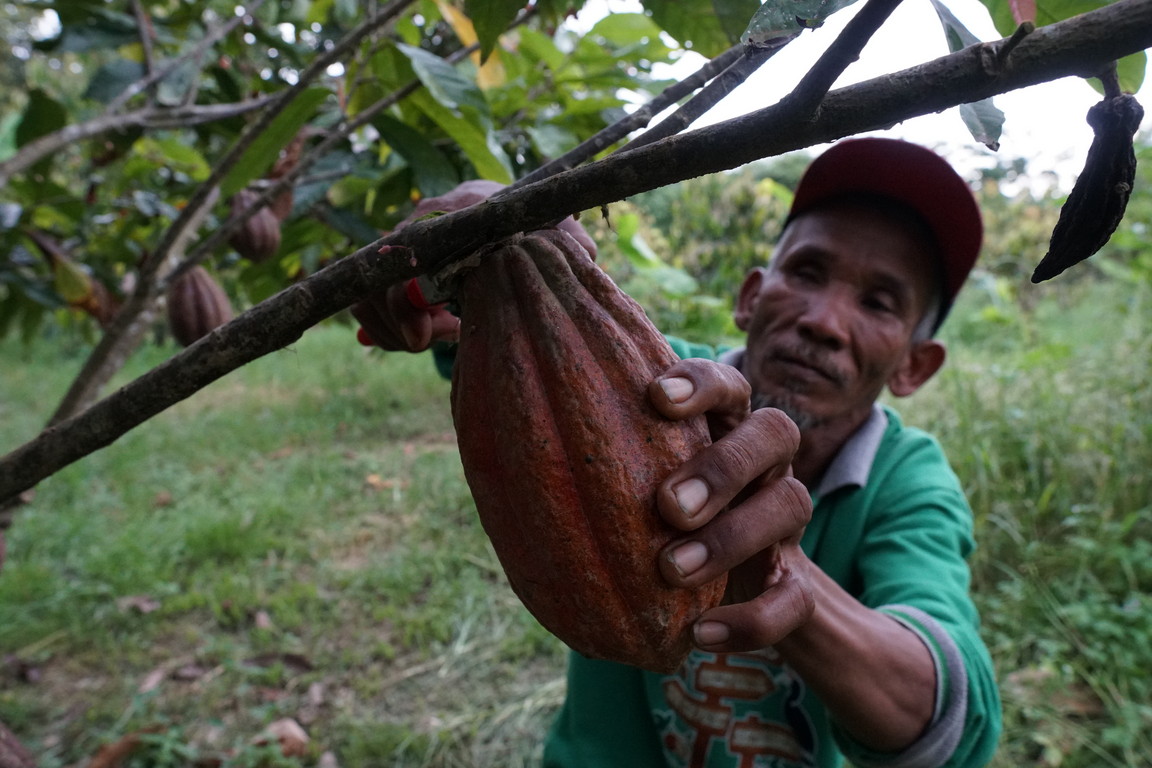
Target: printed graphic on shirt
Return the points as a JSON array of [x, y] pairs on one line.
[[735, 710]]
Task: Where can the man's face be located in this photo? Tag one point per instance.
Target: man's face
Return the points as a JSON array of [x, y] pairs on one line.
[[830, 321]]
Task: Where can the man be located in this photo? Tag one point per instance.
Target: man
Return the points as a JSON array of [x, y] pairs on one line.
[[848, 629]]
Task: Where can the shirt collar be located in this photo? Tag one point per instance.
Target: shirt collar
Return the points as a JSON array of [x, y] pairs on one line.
[[852, 465]]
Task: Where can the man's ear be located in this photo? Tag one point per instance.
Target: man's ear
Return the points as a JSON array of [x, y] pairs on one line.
[[921, 364], [746, 300]]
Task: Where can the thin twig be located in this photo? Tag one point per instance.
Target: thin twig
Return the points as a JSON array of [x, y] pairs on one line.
[[144, 27], [151, 117], [845, 50], [196, 53], [257, 129], [268, 192], [751, 59], [638, 119]]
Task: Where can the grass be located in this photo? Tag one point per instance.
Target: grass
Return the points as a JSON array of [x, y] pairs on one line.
[[1047, 418], [297, 541]]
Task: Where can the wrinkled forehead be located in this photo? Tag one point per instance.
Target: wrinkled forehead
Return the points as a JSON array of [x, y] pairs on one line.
[[870, 228]]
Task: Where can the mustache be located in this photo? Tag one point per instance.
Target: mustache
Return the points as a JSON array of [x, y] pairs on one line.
[[810, 356]]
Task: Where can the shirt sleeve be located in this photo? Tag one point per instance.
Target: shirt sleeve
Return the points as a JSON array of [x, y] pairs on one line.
[[912, 564]]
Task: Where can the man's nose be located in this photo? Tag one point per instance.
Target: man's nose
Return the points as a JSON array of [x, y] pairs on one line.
[[824, 321]]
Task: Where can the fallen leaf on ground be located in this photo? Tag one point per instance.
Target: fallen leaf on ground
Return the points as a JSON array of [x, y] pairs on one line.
[[113, 755], [13, 754], [291, 660], [288, 734], [140, 603]]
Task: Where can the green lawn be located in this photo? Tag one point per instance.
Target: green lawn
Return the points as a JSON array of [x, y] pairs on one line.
[[297, 541]]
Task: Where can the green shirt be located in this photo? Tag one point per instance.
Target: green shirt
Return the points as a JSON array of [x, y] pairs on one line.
[[892, 526]]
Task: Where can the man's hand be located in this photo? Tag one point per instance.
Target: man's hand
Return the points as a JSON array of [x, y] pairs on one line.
[[389, 318], [745, 511]]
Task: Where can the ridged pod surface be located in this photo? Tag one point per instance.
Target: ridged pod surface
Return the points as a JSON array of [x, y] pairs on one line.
[[197, 305], [258, 238], [563, 451]]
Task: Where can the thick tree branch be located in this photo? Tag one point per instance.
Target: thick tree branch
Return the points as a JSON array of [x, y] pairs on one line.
[[1079, 46]]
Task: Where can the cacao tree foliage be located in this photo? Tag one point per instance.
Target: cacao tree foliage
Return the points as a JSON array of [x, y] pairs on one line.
[[104, 201]]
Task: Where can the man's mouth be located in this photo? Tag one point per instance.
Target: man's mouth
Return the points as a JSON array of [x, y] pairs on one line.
[[806, 363]]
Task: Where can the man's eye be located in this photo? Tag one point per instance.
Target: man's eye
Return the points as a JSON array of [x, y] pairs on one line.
[[880, 303]]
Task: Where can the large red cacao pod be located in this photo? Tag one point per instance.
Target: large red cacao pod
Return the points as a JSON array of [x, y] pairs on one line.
[[563, 451], [197, 305]]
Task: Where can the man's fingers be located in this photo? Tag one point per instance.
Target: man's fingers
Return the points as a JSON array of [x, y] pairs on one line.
[[693, 387], [393, 322], [445, 326], [778, 511], [758, 450], [761, 622]]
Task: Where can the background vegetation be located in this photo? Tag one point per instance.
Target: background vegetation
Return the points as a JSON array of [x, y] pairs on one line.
[[297, 541]]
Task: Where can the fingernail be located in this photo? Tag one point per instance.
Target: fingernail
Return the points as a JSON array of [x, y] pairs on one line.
[[677, 389], [711, 633], [691, 496], [411, 338], [688, 558]]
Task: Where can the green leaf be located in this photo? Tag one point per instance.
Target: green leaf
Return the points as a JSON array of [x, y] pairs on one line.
[[441, 79], [473, 135], [42, 116], [491, 18], [8, 125], [551, 141], [734, 16], [434, 174], [983, 119], [110, 80], [541, 48], [99, 30], [786, 18], [694, 24], [633, 244], [175, 154], [626, 29], [260, 156], [70, 281]]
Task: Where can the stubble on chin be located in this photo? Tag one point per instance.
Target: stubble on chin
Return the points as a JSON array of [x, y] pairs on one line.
[[804, 420]]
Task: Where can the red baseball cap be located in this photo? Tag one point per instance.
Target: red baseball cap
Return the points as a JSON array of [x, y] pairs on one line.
[[909, 174]]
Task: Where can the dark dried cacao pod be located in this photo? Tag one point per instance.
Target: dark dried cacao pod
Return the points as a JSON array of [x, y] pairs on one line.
[[258, 238], [563, 450], [1096, 205], [197, 305]]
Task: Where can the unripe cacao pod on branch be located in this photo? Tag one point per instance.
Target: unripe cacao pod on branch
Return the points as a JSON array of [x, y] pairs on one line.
[[258, 238], [197, 305], [563, 450]]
